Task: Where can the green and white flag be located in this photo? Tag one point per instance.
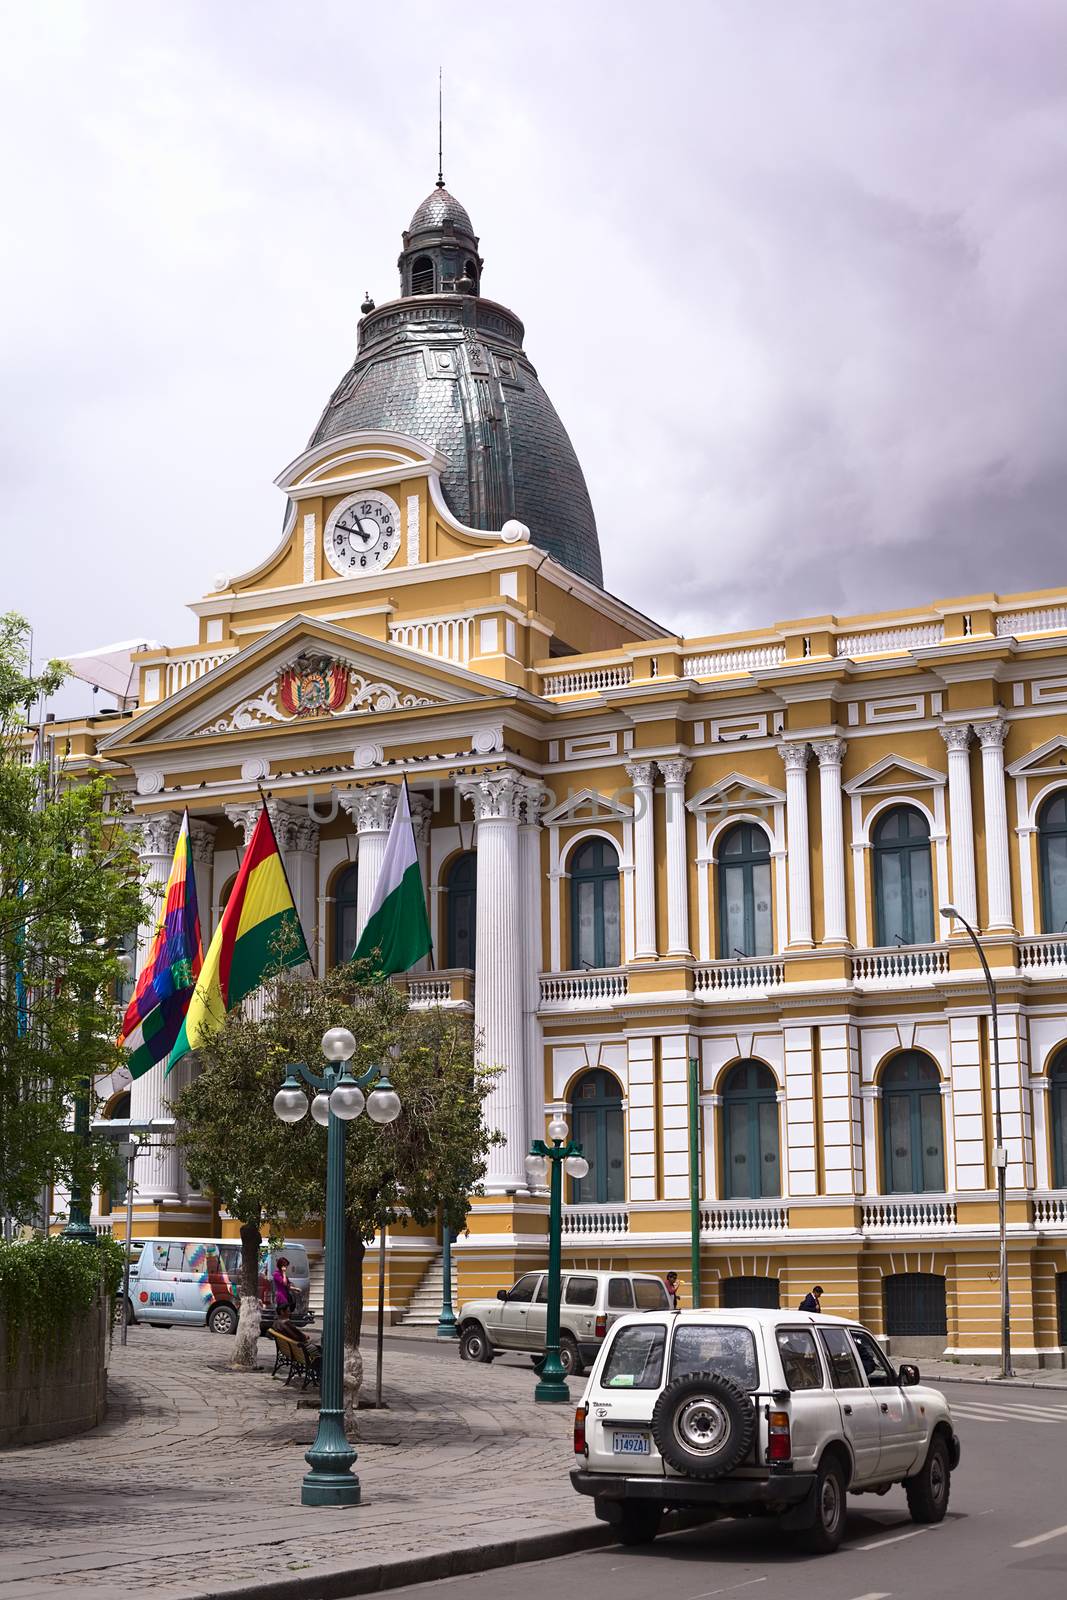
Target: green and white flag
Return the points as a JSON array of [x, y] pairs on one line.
[[398, 931]]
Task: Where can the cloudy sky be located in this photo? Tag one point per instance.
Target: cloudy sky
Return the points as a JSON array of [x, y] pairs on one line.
[[792, 271]]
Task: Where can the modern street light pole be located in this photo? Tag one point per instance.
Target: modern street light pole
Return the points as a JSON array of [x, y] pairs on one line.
[[447, 1326], [340, 1098], [1000, 1154], [562, 1153]]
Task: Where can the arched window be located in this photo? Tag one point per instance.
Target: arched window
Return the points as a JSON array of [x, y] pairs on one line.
[[1052, 842], [903, 885], [594, 875], [596, 1124], [461, 884], [745, 893], [422, 275], [1057, 1082], [344, 914], [470, 270], [913, 1144], [751, 1165]]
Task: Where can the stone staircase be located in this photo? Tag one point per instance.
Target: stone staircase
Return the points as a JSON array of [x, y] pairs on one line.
[[424, 1307]]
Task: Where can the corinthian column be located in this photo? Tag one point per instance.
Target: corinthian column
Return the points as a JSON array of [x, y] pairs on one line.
[[421, 818], [297, 833], [498, 798], [642, 775], [795, 760], [371, 810], [831, 753], [997, 861], [957, 737], [674, 775], [534, 801], [202, 841], [156, 1172]]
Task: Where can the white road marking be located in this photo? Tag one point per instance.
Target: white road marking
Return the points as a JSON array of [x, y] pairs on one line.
[[988, 1414], [1041, 1538], [897, 1537], [705, 1594], [875, 1594]]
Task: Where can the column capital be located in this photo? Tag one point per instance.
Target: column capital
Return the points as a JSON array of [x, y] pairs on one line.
[[642, 774], [675, 771], [495, 796], [202, 840], [421, 817], [957, 735], [794, 754], [533, 803], [371, 807], [294, 828], [830, 752], [157, 833], [992, 734]]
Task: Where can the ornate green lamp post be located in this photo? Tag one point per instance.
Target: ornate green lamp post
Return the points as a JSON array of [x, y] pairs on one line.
[[340, 1098], [561, 1154], [447, 1327]]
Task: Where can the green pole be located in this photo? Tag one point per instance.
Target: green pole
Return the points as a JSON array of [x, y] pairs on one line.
[[331, 1481], [78, 1225], [694, 1182], [552, 1384], [446, 1322]]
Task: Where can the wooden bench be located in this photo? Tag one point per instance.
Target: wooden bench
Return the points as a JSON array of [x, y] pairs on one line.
[[296, 1360]]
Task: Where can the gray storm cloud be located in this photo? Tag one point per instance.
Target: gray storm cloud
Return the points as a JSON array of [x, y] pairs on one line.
[[792, 273]]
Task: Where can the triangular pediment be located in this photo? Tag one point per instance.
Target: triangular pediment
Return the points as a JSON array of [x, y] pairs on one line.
[[892, 774], [735, 793], [1049, 760], [303, 674], [589, 806]]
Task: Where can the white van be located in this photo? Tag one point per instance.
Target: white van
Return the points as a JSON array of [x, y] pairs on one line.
[[191, 1282]]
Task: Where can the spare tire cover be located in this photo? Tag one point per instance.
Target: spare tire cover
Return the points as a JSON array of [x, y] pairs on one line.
[[704, 1424]]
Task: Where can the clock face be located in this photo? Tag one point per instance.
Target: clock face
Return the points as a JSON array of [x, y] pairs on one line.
[[363, 534]]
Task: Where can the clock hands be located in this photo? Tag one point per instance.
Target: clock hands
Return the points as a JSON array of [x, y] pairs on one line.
[[358, 530]]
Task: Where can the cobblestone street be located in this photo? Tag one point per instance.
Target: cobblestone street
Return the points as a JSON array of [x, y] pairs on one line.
[[193, 1483]]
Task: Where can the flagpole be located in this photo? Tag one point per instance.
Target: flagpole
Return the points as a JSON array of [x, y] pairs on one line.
[[285, 874]]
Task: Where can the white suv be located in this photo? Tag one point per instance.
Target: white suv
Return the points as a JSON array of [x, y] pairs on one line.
[[769, 1413], [590, 1303]]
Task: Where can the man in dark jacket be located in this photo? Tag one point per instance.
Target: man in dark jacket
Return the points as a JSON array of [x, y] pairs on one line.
[[812, 1301]]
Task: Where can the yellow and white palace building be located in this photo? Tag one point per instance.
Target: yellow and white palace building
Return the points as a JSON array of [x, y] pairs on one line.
[[641, 848]]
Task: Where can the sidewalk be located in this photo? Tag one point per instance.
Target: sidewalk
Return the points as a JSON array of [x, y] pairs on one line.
[[971, 1372], [191, 1487]]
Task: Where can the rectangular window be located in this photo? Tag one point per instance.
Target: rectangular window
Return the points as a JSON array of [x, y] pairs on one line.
[[800, 1358], [933, 1161], [844, 1373], [620, 1295], [580, 1292], [729, 1350], [168, 1257], [879, 1372], [523, 1292], [635, 1360], [896, 1109], [650, 1295]]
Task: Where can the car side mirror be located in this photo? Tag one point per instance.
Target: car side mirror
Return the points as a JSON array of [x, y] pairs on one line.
[[908, 1376], [502, 1294]]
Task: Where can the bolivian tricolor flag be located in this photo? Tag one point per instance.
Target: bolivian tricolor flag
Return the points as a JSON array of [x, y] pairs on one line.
[[253, 939]]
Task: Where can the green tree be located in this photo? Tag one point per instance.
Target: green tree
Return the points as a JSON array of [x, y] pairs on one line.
[[69, 892], [270, 1173]]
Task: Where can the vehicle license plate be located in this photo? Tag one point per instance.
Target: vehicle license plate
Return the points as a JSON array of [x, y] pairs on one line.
[[632, 1444]]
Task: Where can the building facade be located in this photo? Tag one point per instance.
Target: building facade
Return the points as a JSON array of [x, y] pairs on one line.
[[642, 849]]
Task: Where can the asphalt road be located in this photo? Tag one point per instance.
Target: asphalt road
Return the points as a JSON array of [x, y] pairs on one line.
[[1005, 1536]]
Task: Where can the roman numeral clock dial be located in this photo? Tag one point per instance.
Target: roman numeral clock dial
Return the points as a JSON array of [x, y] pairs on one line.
[[362, 535]]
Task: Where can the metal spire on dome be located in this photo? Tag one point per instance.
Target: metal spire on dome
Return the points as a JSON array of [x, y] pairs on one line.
[[440, 161]]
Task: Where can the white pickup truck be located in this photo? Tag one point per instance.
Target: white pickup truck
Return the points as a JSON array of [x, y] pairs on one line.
[[765, 1413]]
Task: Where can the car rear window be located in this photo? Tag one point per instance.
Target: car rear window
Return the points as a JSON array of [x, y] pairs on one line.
[[580, 1292], [650, 1294], [723, 1348], [635, 1360]]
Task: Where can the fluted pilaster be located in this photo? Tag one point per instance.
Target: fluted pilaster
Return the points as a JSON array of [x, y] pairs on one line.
[[642, 777], [674, 776], [998, 861], [957, 737], [830, 754], [795, 760], [499, 800]]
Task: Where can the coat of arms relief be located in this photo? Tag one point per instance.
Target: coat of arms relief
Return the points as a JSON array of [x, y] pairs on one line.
[[313, 686]]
